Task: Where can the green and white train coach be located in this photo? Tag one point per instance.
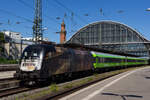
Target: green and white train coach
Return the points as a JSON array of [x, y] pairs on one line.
[[103, 60]]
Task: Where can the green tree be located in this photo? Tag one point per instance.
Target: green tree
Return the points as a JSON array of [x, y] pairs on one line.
[[2, 40]]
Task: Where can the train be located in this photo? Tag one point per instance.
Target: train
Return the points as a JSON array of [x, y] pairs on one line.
[[43, 62]]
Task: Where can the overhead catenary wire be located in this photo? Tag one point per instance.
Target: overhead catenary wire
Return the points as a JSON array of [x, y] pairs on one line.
[[66, 16], [27, 5], [69, 10], [17, 16], [46, 16]]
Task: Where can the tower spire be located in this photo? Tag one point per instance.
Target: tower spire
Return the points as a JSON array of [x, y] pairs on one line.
[[63, 33]]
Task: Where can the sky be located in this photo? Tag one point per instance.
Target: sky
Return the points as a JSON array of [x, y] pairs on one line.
[[18, 15]]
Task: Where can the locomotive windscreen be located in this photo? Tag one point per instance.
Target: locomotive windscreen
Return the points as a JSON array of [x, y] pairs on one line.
[[32, 52]]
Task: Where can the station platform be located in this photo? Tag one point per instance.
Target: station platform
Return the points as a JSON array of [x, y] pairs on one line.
[[131, 85], [7, 74]]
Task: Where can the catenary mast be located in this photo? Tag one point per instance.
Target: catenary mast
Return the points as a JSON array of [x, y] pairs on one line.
[[37, 27]]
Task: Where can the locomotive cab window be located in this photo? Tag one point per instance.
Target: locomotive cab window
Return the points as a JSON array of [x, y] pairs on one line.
[[31, 54], [49, 55]]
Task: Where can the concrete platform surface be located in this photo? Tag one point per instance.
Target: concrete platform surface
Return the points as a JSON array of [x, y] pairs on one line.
[[131, 85], [6, 74]]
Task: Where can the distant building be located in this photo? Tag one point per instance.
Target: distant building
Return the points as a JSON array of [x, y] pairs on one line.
[[31, 39], [12, 35], [14, 44]]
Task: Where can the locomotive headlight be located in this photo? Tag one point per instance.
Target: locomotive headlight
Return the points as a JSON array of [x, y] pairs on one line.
[[31, 67]]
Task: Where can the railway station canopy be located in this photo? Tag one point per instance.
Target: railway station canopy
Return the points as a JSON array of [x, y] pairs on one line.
[[113, 36]]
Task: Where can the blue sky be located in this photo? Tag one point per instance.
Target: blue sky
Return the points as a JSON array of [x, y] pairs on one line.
[[78, 13]]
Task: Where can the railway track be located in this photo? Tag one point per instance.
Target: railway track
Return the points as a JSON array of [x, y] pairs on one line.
[[11, 91], [6, 79], [8, 67], [8, 83], [12, 86]]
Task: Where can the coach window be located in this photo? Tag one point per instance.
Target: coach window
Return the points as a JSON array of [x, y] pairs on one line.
[[96, 59]]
